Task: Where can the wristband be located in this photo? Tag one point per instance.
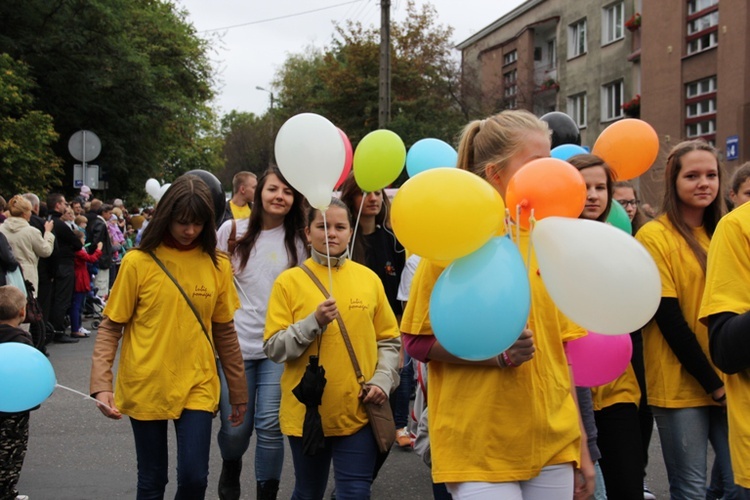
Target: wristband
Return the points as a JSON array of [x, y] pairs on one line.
[[507, 360]]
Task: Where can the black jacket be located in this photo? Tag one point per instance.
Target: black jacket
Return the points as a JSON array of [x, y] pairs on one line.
[[100, 232], [66, 243], [8, 261]]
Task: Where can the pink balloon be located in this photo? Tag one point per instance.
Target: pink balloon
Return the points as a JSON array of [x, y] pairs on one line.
[[348, 161], [599, 359]]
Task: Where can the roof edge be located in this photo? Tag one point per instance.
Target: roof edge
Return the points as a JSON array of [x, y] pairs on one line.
[[518, 11]]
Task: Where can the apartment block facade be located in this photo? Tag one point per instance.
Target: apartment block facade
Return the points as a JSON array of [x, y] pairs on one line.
[[681, 65]]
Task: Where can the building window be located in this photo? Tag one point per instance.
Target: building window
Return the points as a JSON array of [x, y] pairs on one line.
[[699, 5], [702, 26], [552, 53], [510, 77], [577, 38], [700, 109], [577, 108], [612, 22], [701, 87], [510, 57], [612, 101]]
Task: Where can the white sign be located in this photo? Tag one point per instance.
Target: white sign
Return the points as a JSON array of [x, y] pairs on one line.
[[91, 179]]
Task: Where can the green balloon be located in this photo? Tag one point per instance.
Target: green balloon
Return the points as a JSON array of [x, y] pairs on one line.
[[378, 160], [618, 217]]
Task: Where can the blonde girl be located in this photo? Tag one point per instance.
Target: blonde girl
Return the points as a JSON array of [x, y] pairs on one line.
[[506, 427]]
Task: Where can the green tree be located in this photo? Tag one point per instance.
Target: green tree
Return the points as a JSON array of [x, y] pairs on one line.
[[27, 161], [248, 142], [341, 81], [132, 71]]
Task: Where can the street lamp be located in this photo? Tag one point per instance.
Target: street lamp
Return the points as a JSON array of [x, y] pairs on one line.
[[270, 135]]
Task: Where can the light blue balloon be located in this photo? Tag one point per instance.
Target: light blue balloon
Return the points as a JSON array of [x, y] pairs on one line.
[[426, 154], [480, 303], [565, 151], [26, 377]]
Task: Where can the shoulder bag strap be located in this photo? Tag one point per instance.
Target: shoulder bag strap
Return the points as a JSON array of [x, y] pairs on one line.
[[342, 327], [232, 240], [187, 299]]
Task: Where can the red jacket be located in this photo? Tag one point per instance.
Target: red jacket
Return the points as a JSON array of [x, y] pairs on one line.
[[83, 279]]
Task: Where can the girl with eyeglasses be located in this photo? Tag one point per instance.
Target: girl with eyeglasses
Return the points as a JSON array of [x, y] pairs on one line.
[[625, 194], [686, 393]]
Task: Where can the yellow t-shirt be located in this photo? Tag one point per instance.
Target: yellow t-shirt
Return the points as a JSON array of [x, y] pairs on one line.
[[624, 389], [668, 383], [166, 363], [368, 318], [727, 290], [500, 424], [239, 212]]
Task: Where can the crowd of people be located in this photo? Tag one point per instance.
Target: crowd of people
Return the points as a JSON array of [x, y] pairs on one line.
[[288, 321]]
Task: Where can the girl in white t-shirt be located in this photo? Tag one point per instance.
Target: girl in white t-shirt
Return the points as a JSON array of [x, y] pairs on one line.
[[269, 242]]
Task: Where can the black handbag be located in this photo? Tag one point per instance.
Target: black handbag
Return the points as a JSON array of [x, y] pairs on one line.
[[380, 416]]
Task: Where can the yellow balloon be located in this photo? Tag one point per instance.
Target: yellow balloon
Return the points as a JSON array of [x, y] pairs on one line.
[[445, 213]]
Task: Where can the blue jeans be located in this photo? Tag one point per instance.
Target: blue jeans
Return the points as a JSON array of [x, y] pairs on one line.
[[264, 390], [402, 394], [353, 463], [75, 311], [193, 432], [685, 434]]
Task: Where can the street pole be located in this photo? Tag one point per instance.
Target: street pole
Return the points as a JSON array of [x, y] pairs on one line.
[[384, 94], [270, 133]]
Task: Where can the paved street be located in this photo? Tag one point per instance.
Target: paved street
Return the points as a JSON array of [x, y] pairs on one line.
[[75, 453]]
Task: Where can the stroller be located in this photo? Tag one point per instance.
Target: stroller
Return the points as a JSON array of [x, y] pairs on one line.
[[93, 306]]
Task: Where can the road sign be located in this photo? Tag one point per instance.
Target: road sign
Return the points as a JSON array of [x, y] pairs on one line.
[[84, 146], [733, 147], [91, 178]]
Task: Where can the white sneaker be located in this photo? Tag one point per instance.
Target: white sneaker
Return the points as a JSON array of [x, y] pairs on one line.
[[84, 331], [647, 495], [22, 497]]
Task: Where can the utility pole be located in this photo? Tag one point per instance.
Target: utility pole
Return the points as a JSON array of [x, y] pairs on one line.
[[384, 96]]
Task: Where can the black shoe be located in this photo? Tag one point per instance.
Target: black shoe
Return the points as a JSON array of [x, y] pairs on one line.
[[229, 480], [267, 490], [64, 339]]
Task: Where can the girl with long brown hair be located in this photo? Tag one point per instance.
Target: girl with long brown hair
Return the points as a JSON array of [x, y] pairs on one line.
[[685, 392]]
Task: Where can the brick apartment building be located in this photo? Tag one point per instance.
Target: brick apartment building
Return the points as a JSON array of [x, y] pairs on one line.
[[689, 66]]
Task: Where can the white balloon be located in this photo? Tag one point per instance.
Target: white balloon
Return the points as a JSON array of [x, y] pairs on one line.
[[152, 188], [311, 156], [161, 192], [602, 278]]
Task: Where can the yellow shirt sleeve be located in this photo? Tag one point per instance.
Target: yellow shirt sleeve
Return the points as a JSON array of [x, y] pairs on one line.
[[416, 317], [652, 237], [728, 272]]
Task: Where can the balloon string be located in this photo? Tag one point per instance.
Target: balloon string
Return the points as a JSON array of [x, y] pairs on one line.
[[356, 224], [508, 224], [328, 255], [237, 285], [518, 225], [84, 395], [532, 223]]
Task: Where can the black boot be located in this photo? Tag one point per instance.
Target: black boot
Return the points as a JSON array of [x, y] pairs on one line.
[[229, 481], [267, 490]]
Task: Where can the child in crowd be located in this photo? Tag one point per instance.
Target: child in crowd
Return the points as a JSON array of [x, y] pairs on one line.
[[14, 427], [82, 285]]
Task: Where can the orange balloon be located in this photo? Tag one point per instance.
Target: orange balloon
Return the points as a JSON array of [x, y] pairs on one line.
[[549, 187], [629, 147]]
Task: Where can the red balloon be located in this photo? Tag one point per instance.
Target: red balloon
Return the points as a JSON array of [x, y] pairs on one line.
[[347, 161], [549, 187]]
